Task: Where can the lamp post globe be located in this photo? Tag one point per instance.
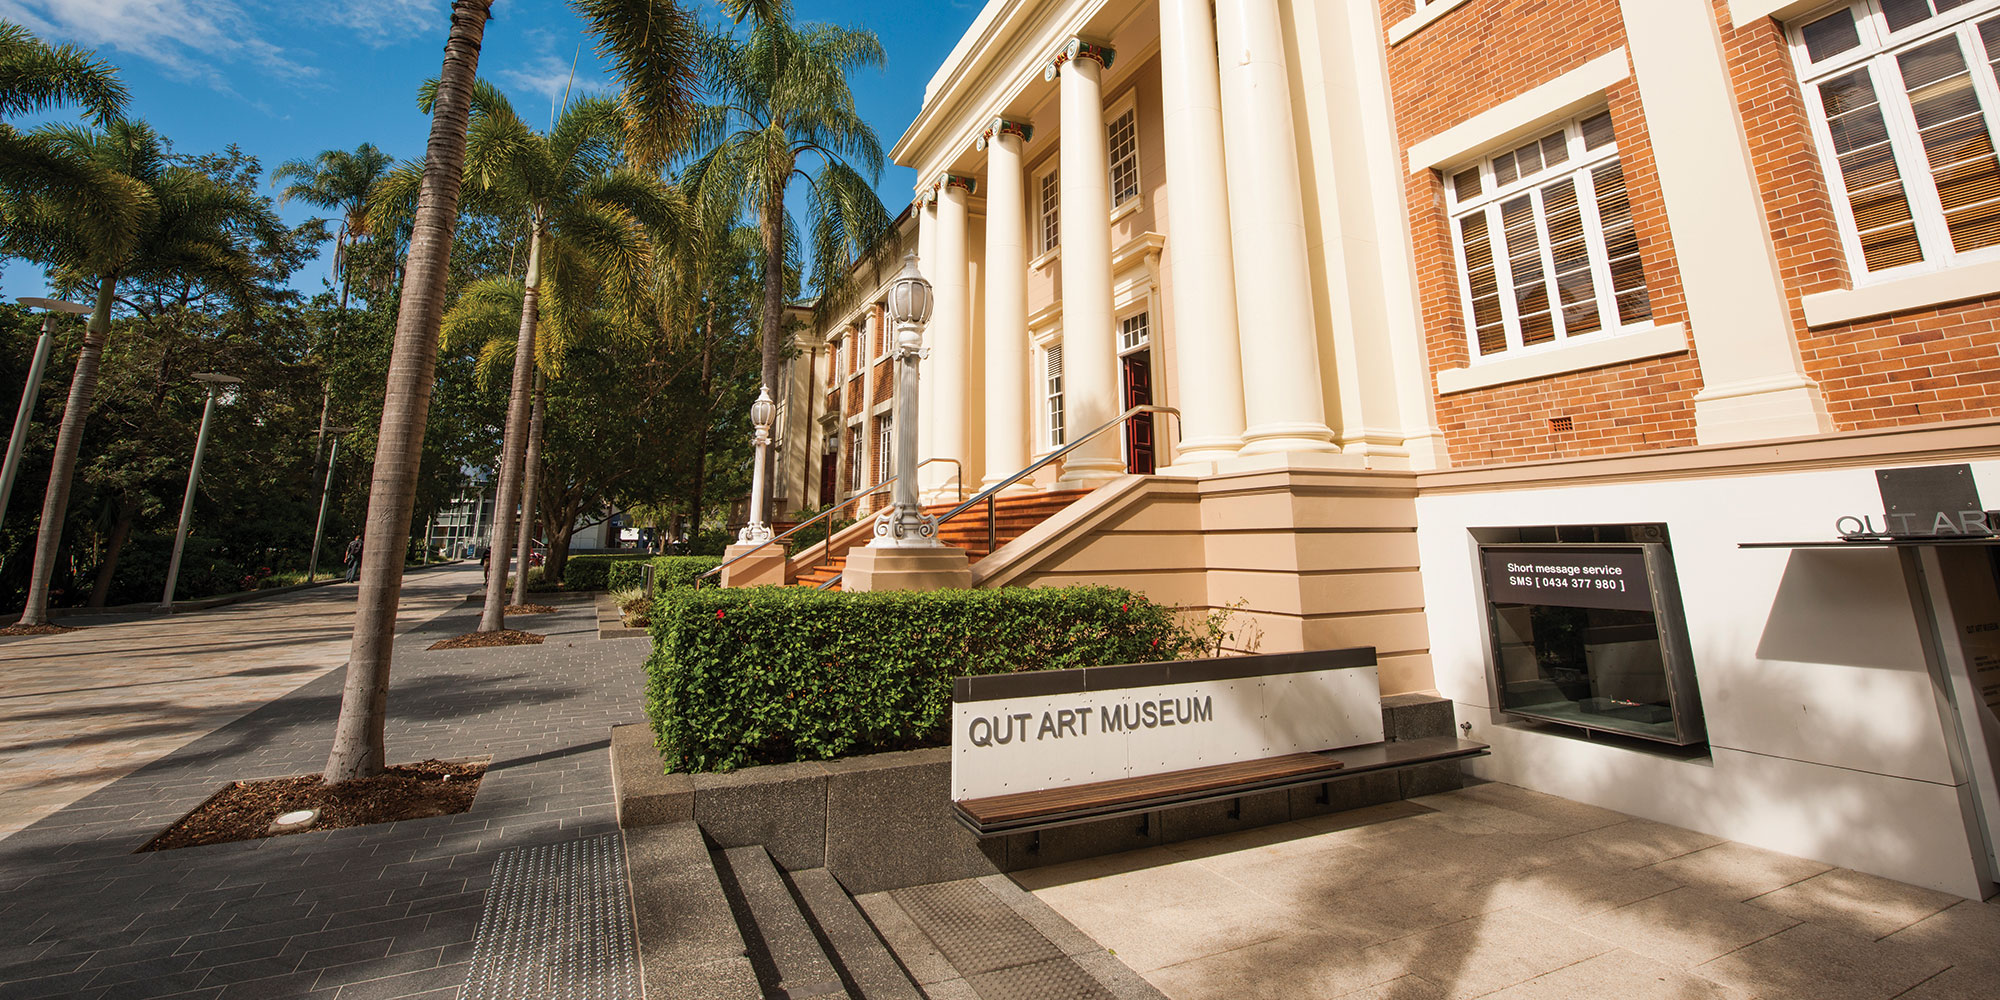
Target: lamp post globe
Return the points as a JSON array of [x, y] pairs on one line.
[[910, 297]]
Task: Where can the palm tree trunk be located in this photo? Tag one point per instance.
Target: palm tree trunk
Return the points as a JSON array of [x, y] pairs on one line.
[[531, 482], [493, 616], [358, 747], [62, 465], [774, 322], [121, 532]]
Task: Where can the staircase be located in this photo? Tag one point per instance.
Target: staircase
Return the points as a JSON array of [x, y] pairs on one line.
[[803, 934], [1012, 517]]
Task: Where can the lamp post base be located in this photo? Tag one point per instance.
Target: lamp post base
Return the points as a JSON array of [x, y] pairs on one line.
[[767, 566], [938, 567]]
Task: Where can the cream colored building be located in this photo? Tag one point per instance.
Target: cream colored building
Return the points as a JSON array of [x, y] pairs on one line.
[[1430, 281]]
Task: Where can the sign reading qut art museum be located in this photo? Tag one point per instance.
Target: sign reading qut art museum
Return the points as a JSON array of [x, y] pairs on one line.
[[1030, 731]]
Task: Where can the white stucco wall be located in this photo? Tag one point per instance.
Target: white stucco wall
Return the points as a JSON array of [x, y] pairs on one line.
[[1824, 728]]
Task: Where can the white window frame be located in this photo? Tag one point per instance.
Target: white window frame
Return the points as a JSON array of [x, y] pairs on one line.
[[1877, 54], [1145, 340], [1580, 169], [1054, 397], [1127, 104], [1048, 207], [885, 440]]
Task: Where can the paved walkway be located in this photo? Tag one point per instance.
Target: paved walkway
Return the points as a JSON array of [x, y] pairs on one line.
[[1495, 891], [83, 709], [369, 912]]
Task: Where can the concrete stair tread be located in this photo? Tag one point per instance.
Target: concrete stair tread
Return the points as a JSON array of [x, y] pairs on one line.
[[783, 948], [1013, 516], [872, 972]]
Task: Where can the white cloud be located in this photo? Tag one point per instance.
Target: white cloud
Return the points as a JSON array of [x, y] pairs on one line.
[[548, 76], [197, 39]]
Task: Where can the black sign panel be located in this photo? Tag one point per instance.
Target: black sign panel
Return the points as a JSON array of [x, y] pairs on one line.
[[1567, 577]]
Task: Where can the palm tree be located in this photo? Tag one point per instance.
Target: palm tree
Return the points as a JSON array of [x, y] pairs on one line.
[[342, 181], [36, 77], [588, 222], [187, 226], [782, 105], [647, 39]]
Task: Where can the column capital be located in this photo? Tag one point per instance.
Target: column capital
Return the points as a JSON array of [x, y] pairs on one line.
[[926, 196], [969, 184], [1077, 48], [1023, 131]]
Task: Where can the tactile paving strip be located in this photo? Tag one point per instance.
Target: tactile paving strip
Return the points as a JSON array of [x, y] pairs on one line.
[[1055, 979], [973, 928], [557, 925]]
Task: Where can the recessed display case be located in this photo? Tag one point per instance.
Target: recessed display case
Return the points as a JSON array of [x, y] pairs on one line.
[[1591, 634]]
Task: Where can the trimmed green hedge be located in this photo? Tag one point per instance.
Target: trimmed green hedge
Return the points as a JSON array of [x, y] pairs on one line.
[[767, 675], [669, 572], [591, 572]]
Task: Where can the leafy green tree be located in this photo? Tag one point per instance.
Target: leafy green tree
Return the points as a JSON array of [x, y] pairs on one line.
[[36, 77], [187, 226], [343, 181], [781, 110]]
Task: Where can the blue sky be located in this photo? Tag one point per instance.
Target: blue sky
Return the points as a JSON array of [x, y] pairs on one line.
[[285, 79]]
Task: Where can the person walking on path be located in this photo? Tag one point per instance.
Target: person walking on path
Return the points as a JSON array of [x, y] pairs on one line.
[[353, 559]]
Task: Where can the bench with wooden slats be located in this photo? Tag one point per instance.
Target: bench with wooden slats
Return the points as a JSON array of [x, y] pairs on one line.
[[1020, 812]]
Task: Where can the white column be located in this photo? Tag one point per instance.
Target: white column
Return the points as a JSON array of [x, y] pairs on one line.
[[948, 339], [1209, 392], [1090, 349], [927, 263], [1006, 374], [1280, 346], [1754, 384]]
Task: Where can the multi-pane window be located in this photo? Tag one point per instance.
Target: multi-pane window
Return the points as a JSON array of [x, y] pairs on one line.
[[1545, 241], [1052, 392], [1902, 94], [856, 474], [1049, 192], [885, 448], [1123, 136], [1132, 333]]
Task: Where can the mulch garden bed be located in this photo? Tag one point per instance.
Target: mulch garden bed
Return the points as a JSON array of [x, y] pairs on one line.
[[481, 640], [35, 630], [528, 609], [245, 809]]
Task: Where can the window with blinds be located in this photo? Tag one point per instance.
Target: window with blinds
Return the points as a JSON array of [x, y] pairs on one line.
[[1052, 392], [1123, 136], [1902, 95], [1546, 246], [1049, 210]]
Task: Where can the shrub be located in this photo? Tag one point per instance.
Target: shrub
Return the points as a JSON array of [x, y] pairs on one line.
[[591, 572], [669, 572], [763, 675]]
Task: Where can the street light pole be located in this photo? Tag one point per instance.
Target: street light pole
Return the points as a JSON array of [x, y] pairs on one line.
[[762, 413], [319, 526], [194, 477], [17, 443], [905, 525]]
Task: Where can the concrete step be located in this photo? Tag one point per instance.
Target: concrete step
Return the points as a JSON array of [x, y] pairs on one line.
[[870, 971], [783, 949], [688, 944]]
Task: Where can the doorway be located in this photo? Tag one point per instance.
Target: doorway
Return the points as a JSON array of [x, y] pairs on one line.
[[1139, 445]]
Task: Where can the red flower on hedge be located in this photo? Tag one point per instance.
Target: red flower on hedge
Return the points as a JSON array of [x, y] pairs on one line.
[[718, 614], [1127, 606]]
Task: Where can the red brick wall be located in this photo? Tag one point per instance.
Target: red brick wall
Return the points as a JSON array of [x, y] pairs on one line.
[[1919, 367], [1474, 57]]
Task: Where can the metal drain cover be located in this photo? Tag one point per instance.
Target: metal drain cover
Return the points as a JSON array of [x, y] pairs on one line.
[[557, 924]]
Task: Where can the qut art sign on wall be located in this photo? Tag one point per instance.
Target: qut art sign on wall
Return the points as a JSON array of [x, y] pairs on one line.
[[1026, 732]]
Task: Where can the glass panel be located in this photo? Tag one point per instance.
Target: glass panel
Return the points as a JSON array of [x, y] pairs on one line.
[[1868, 167], [1555, 148], [1529, 158], [1956, 143], [1051, 210], [1989, 33], [1504, 172], [1466, 184], [1052, 359], [1621, 244], [1831, 35], [1489, 328], [1599, 667], [1570, 250], [1597, 131], [1903, 13], [1524, 259]]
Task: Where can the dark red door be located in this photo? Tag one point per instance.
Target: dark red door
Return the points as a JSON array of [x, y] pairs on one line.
[[829, 478], [1139, 429]]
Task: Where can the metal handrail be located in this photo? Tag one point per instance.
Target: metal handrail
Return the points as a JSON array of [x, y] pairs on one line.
[[987, 495], [829, 512]]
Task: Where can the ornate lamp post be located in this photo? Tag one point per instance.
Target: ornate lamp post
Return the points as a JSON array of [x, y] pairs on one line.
[[30, 390], [194, 477], [762, 413], [904, 524]]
